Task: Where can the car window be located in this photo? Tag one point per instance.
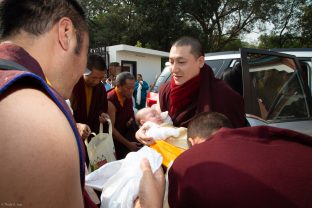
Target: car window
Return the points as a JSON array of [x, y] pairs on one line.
[[163, 77], [218, 66], [306, 73], [278, 88]]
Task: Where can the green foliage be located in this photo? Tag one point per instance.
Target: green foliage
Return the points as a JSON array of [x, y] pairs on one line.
[[306, 25], [138, 44], [218, 24]]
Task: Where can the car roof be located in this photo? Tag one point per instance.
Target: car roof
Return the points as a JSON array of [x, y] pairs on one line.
[[298, 52], [222, 55]]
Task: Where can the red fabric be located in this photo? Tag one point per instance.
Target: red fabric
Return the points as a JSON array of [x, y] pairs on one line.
[[122, 116], [182, 95], [247, 167], [213, 95], [88, 203]]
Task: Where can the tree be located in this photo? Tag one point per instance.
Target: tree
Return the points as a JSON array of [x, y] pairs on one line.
[[223, 21], [292, 26], [219, 24], [305, 23], [285, 21]]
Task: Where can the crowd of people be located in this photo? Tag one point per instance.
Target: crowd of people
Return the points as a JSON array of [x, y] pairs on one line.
[[44, 62]]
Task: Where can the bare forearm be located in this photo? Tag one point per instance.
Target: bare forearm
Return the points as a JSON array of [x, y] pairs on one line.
[[118, 137]]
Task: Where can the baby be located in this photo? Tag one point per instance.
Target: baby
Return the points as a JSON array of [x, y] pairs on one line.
[[161, 128]]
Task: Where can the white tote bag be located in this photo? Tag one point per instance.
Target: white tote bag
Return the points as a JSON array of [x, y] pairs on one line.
[[101, 149]]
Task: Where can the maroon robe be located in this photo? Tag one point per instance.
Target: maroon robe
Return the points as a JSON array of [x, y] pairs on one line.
[[122, 115], [98, 105], [214, 95], [33, 77], [247, 167]]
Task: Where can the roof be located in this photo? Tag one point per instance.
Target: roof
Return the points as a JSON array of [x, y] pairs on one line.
[[134, 49]]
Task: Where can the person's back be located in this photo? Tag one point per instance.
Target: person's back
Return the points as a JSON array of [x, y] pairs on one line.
[[41, 156], [247, 167]]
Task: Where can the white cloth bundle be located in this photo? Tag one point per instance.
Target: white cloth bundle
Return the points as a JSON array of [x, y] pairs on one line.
[[120, 180], [156, 131]]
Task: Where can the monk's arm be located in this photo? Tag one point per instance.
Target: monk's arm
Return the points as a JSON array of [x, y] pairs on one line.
[[39, 157], [116, 134]]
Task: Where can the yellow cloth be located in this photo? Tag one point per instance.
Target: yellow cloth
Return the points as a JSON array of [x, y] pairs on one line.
[[168, 151], [119, 96], [48, 82], [89, 91]]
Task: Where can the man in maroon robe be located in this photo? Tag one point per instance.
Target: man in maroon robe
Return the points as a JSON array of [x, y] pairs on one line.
[[120, 110], [43, 53], [44, 43], [89, 98], [247, 167], [194, 89]]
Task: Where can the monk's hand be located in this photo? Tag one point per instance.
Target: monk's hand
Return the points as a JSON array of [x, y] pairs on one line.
[[134, 146], [103, 117], [129, 122], [152, 187], [140, 135], [84, 130]]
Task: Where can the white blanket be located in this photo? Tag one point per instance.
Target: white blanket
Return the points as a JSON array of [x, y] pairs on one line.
[[120, 180]]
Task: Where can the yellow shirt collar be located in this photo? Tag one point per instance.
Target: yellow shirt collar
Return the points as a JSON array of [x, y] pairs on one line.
[[119, 97]]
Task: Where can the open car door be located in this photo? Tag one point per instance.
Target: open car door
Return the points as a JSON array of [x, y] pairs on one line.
[[274, 90]]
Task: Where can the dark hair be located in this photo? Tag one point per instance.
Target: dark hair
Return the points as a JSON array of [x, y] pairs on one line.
[[196, 47], [38, 16], [96, 62], [205, 123], [114, 64], [122, 78]]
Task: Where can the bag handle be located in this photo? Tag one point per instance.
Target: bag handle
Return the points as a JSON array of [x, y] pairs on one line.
[[101, 129], [109, 127]]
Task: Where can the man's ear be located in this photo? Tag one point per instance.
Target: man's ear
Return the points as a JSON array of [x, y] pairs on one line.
[[191, 140], [201, 61], [66, 32]]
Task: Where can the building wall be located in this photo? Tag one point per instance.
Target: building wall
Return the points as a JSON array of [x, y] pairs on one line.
[[147, 65]]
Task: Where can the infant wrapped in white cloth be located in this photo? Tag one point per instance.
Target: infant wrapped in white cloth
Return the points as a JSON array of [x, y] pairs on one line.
[[160, 127]]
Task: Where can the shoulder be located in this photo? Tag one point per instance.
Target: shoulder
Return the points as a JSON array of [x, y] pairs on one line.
[[111, 93], [165, 88], [45, 149]]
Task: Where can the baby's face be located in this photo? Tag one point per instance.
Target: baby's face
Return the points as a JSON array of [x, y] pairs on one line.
[[153, 116]]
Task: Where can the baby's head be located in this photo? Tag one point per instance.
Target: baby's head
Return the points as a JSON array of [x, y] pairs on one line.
[[148, 114], [204, 125]]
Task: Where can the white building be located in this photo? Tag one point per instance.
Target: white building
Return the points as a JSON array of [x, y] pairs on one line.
[[138, 60]]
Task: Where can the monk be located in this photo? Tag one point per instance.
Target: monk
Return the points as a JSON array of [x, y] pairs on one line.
[[247, 167], [194, 89], [43, 52], [89, 98], [204, 125], [120, 110]]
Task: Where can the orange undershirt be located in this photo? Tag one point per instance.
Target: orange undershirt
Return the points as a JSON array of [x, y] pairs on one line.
[[119, 96], [89, 92]]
